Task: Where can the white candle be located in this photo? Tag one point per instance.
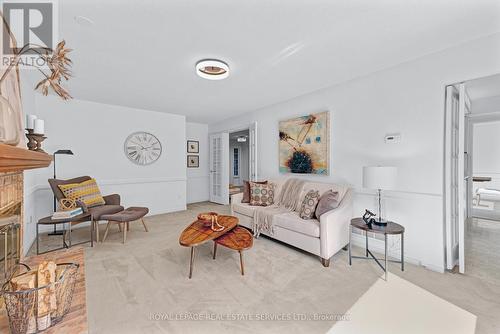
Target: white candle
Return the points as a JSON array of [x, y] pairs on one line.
[[39, 127], [30, 121]]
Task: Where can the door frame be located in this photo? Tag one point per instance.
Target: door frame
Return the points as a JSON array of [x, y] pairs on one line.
[[456, 182], [223, 197], [251, 150]]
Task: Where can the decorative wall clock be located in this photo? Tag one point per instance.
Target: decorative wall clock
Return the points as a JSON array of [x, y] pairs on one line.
[[142, 148]]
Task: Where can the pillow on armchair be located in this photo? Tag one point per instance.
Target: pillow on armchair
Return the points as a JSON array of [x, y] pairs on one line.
[[86, 192]]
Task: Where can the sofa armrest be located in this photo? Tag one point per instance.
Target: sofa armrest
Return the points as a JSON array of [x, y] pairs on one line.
[[334, 227], [236, 199], [113, 199]]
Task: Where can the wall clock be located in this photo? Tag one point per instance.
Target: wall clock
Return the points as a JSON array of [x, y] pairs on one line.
[[142, 148]]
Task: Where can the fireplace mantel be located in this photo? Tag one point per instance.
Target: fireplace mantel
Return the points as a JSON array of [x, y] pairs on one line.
[[18, 159]]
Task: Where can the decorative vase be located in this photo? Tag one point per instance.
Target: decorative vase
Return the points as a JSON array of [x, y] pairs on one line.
[[9, 123]]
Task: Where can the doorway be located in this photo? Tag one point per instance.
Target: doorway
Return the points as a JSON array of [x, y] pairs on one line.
[[472, 177], [239, 160], [233, 159]]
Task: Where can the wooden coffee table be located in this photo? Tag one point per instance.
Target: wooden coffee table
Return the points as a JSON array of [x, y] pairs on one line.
[[239, 239], [198, 233]]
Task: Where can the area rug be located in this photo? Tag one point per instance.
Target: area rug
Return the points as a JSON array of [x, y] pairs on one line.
[[398, 306]]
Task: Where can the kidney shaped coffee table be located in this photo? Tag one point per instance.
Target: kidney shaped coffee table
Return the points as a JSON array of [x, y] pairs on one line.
[[198, 233]]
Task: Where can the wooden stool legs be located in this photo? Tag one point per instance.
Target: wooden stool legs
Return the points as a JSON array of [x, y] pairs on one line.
[[215, 249], [123, 229], [106, 232]]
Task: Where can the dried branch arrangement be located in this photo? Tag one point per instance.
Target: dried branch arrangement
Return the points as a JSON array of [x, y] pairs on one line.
[[55, 60]]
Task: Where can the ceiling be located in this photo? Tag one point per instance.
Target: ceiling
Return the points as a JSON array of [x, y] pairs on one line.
[[483, 87], [142, 54]]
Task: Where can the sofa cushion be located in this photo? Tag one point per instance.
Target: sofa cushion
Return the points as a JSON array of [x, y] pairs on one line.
[[292, 221], [323, 188], [98, 211], [246, 190], [328, 201], [308, 206], [261, 194], [244, 209]]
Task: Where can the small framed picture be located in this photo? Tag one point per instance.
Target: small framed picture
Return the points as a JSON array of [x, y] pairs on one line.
[[193, 146], [193, 161]]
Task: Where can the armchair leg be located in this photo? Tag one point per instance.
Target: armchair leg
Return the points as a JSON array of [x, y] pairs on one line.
[[325, 262], [96, 231]]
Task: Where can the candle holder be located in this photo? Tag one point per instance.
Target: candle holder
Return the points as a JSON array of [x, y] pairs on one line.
[[39, 139], [35, 141], [31, 140]]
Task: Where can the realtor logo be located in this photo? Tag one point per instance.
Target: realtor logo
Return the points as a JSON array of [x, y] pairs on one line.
[[28, 24]]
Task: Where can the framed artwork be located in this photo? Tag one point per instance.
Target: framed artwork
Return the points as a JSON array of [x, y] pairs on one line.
[[193, 146], [193, 161], [304, 144]]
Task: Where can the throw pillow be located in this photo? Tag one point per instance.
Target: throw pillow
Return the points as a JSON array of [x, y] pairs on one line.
[[246, 190], [261, 194], [309, 204], [328, 201], [87, 192]]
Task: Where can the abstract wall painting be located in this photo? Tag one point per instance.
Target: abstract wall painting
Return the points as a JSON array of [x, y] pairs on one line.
[[304, 144]]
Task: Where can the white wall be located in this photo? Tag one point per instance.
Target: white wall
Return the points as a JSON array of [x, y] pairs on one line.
[[198, 178], [406, 99], [96, 134], [486, 153]]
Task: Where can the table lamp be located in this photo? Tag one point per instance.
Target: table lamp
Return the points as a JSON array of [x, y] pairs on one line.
[[380, 178]]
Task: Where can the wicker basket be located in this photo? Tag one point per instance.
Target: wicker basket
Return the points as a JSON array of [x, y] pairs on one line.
[[22, 306]]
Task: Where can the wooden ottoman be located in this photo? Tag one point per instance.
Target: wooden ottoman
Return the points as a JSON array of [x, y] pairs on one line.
[[124, 218], [239, 239]]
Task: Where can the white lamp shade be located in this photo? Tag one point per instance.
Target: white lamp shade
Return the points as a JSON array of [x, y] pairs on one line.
[[379, 177]]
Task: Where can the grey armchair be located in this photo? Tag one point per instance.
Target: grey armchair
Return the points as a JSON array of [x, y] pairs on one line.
[[112, 201]]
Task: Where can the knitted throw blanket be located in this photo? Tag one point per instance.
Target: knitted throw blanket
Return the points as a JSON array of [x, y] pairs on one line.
[[287, 201]]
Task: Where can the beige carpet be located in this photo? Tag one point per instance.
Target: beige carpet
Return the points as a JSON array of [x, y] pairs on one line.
[[142, 286], [398, 306]]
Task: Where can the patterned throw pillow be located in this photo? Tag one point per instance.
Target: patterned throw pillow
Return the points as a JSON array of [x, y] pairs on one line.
[[87, 192], [261, 194], [246, 190], [309, 203]]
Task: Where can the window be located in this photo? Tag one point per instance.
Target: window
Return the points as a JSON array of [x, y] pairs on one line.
[[236, 161]]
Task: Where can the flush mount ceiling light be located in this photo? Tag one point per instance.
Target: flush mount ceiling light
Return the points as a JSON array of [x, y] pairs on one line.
[[241, 139], [212, 69], [84, 21]]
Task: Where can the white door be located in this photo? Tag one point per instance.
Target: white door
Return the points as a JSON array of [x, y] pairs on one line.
[[457, 106], [463, 178], [219, 168], [253, 152]]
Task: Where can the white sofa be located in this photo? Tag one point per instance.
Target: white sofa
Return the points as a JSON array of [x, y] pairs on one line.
[[323, 238]]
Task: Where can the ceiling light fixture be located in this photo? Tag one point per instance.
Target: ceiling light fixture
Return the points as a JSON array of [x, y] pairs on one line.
[[241, 139], [84, 21], [212, 69]]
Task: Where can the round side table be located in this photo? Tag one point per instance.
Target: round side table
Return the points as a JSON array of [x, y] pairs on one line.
[[390, 229]]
